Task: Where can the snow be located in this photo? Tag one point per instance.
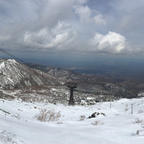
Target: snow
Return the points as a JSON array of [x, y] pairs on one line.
[[10, 79], [90, 98], [13, 73], [19, 124], [12, 60], [2, 65]]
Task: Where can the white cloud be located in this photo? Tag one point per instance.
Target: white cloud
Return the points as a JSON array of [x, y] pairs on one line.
[[58, 37], [112, 42], [84, 13], [58, 40], [87, 15], [4, 37], [35, 24], [99, 19]]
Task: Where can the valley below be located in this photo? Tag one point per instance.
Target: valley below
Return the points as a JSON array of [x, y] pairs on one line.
[[38, 83]]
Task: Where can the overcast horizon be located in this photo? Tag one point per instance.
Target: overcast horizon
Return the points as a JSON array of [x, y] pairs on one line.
[[72, 31]]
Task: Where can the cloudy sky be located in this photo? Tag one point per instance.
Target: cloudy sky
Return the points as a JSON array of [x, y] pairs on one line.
[[72, 28]]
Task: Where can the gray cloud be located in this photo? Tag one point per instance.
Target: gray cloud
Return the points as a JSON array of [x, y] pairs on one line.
[[58, 37], [87, 15], [79, 25]]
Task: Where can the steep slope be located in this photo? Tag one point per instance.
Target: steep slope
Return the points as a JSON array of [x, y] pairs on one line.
[[59, 73], [99, 84], [63, 75], [16, 75]]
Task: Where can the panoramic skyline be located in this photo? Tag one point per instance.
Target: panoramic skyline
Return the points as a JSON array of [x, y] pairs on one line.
[[37, 29]]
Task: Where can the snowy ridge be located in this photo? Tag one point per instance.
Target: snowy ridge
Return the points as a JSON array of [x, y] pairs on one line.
[[17, 75]]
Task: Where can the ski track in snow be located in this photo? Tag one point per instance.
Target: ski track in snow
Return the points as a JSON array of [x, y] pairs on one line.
[[119, 126]]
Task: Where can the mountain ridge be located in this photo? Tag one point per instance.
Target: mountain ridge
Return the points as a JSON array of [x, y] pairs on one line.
[[17, 75], [42, 82]]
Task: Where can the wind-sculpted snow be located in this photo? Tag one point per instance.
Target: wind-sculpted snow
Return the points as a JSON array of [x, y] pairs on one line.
[[45, 123], [16, 75], [9, 138]]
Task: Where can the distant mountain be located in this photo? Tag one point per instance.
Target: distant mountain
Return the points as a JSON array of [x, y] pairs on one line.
[[99, 84], [62, 75], [16, 75]]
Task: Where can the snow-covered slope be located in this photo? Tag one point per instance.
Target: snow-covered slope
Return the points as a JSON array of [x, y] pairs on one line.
[[14, 74], [19, 123]]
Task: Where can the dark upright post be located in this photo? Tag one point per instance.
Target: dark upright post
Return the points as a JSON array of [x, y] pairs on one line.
[[71, 86], [71, 100]]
